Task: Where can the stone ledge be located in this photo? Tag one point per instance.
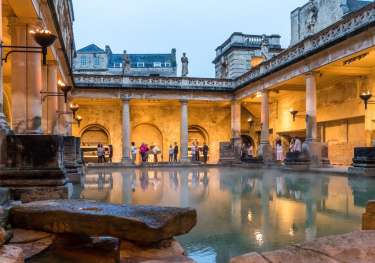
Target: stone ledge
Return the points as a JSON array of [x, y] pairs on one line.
[[358, 247]]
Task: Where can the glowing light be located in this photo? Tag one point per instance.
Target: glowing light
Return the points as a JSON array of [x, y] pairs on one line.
[[258, 94], [250, 216], [291, 232], [259, 238], [61, 83]]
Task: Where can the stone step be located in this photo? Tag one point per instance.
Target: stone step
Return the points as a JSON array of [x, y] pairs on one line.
[[139, 224]]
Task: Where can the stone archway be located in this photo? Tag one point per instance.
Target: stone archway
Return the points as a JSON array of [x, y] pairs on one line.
[[247, 140], [147, 133], [95, 134], [198, 134]]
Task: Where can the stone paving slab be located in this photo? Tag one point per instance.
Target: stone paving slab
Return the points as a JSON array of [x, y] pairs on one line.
[[358, 247], [139, 224]]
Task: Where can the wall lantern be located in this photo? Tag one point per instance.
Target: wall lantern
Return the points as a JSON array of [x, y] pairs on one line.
[[79, 119], [250, 120], [64, 92], [294, 114], [74, 108], [366, 96], [43, 37]]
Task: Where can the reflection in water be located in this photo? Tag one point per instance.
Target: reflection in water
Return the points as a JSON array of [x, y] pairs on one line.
[[240, 211]]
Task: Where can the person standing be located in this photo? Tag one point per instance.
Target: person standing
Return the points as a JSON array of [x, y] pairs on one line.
[[155, 151], [142, 151], [110, 153], [175, 152], [171, 153], [297, 145], [98, 153], [279, 150], [197, 152], [133, 150], [193, 152], [250, 151], [205, 153]]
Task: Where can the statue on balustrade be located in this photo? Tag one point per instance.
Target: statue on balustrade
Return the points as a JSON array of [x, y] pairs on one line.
[[185, 65], [125, 63]]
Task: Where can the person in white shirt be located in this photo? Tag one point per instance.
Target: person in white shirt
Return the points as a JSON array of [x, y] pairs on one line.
[[171, 153], [155, 152], [133, 150], [297, 145]]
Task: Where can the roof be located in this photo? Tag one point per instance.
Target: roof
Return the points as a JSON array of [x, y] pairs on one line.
[[354, 5], [91, 49], [148, 59]]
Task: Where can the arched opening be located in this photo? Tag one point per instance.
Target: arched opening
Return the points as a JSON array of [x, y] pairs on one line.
[[148, 134], [247, 140], [197, 136], [91, 136]]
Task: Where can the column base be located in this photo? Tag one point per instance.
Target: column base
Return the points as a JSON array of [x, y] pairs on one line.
[[317, 153], [127, 161], [265, 152]]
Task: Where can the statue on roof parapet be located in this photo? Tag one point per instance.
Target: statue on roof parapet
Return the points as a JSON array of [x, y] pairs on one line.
[[185, 65], [125, 63]]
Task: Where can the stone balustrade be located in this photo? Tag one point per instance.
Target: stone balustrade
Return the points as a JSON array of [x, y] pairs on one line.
[[135, 82]]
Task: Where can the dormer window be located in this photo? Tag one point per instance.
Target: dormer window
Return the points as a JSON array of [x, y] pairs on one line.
[[83, 61], [167, 64], [140, 64], [97, 61], [157, 64]]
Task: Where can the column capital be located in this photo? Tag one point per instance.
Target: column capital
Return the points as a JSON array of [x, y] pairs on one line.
[[312, 73], [184, 101], [125, 100], [51, 62]]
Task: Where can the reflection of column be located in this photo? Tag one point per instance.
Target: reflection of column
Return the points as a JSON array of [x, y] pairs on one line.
[[184, 140], [265, 200], [126, 131], [311, 229], [265, 147], [311, 124], [127, 180], [236, 210], [184, 192], [52, 102]]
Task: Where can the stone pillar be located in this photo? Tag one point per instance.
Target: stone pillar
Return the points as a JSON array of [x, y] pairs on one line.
[[34, 87], [312, 147], [52, 102], [265, 147], [18, 77], [311, 124], [4, 126], [184, 133], [236, 125], [62, 107], [126, 131], [26, 82]]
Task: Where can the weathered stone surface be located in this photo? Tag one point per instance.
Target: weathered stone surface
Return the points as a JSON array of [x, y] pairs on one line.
[[78, 249], [141, 224], [30, 194], [249, 258], [356, 247], [11, 254], [27, 236], [3, 236], [177, 259], [165, 249]]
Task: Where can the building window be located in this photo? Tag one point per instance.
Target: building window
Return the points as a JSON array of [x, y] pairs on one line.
[[83, 61], [157, 64], [97, 61], [140, 64], [167, 64]]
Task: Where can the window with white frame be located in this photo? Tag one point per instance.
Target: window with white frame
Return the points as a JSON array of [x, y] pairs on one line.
[[167, 64], [140, 64], [97, 61], [157, 64], [84, 61]]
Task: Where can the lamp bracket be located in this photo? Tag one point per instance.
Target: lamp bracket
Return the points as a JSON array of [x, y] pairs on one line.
[[23, 49]]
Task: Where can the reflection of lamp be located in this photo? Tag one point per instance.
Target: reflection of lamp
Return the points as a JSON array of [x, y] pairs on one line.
[[74, 108], [294, 114], [41, 36], [366, 96]]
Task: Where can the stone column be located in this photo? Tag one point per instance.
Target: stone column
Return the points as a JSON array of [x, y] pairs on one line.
[[312, 147], [18, 77], [184, 133], [62, 107], [236, 125], [52, 102], [34, 82], [265, 147], [311, 124], [126, 131], [4, 126]]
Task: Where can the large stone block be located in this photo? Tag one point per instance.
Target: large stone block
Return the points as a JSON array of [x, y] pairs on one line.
[[139, 224]]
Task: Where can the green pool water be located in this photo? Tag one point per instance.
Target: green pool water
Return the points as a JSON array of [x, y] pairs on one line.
[[240, 210]]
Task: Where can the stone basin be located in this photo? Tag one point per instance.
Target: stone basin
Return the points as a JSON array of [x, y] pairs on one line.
[[139, 224]]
